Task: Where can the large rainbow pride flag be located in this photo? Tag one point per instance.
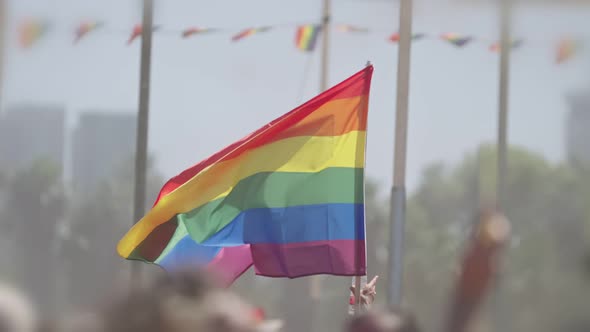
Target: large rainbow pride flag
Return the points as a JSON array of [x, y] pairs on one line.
[[288, 198]]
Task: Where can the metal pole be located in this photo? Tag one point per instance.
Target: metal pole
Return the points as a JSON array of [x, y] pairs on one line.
[[2, 48], [504, 71], [478, 174], [360, 282], [326, 13], [502, 158], [398, 192], [324, 67], [142, 123]]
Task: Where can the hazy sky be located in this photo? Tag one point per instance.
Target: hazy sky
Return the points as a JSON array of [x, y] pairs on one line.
[[208, 92]]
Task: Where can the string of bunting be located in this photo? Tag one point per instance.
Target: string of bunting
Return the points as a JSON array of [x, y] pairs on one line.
[[306, 36]]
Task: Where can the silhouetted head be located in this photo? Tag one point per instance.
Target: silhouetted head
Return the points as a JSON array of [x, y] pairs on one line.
[[190, 283], [187, 301], [16, 312], [392, 320]]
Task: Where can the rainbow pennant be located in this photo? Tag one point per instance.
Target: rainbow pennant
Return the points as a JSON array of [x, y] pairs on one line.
[[565, 50], [351, 28], [248, 32], [194, 31], [395, 37], [456, 39], [306, 37], [85, 28], [288, 198], [496, 47], [31, 31], [137, 31]]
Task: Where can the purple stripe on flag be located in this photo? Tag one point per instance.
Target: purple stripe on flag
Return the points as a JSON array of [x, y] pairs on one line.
[[230, 263], [293, 260]]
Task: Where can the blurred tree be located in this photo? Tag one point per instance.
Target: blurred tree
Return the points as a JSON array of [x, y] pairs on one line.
[[3, 193], [35, 204], [377, 236], [548, 207], [97, 222], [3, 179]]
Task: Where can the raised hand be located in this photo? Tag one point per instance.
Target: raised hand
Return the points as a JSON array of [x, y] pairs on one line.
[[368, 292]]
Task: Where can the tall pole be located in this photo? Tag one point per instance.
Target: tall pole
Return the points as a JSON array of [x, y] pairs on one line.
[[476, 194], [142, 122], [502, 159], [504, 71], [326, 13], [2, 48], [324, 69], [398, 192]]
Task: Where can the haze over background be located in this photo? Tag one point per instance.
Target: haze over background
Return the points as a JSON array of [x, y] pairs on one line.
[[208, 92], [66, 187]]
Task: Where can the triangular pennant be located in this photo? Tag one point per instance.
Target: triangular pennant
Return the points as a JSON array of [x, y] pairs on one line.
[[30, 31], [496, 47], [395, 37], [351, 28], [566, 49], [248, 32], [456, 39], [137, 31], [85, 28], [189, 32]]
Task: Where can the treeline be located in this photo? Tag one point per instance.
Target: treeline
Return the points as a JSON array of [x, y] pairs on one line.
[[59, 244]]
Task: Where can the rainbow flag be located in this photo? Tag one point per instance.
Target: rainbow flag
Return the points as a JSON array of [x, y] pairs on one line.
[[85, 28], [306, 37], [456, 39], [288, 198], [248, 32], [30, 31]]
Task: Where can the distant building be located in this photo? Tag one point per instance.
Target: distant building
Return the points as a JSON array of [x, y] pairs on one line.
[[578, 129], [102, 142], [31, 132]]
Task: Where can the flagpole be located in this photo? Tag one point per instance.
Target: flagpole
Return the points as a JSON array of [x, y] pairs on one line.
[[502, 148], [142, 123], [398, 192], [357, 280], [478, 195]]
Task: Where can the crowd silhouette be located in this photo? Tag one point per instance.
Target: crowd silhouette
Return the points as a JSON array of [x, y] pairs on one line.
[[192, 300]]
